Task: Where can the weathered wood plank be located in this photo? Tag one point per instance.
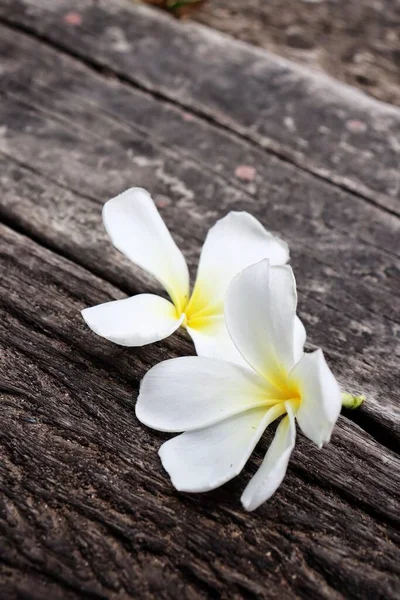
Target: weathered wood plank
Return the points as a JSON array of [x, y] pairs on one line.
[[51, 123], [87, 510], [355, 42], [56, 83], [325, 127], [94, 104]]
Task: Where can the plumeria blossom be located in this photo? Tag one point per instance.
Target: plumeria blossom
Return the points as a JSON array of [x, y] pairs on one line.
[[224, 408], [138, 231]]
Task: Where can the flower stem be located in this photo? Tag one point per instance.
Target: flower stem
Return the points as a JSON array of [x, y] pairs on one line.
[[352, 402]]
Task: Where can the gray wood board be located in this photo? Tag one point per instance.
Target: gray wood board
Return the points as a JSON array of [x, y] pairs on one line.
[[64, 129], [86, 507], [325, 127]]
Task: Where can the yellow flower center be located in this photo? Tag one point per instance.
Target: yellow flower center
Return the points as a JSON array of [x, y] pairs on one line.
[[198, 313], [285, 392]]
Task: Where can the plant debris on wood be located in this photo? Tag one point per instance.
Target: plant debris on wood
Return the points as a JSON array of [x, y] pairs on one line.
[[179, 8]]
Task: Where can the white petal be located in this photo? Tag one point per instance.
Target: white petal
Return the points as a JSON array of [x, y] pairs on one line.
[[260, 312], [211, 338], [135, 321], [202, 460], [194, 392], [232, 244], [320, 397], [273, 468], [138, 231]]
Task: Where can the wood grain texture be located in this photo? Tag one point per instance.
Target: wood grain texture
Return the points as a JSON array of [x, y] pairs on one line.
[[88, 508], [324, 127], [85, 507], [355, 42], [75, 141]]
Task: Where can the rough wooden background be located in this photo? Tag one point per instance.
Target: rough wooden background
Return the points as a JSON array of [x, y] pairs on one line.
[[118, 95], [355, 41]]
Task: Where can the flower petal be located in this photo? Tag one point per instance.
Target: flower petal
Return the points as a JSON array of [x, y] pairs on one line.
[[232, 244], [320, 397], [194, 392], [273, 468], [137, 230], [260, 312], [135, 321], [202, 460], [211, 338]]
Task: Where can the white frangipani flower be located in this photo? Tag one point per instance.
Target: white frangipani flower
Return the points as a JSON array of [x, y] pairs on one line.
[[138, 231], [224, 408]]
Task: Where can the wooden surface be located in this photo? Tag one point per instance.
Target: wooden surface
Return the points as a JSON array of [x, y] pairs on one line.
[[356, 42], [131, 97]]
